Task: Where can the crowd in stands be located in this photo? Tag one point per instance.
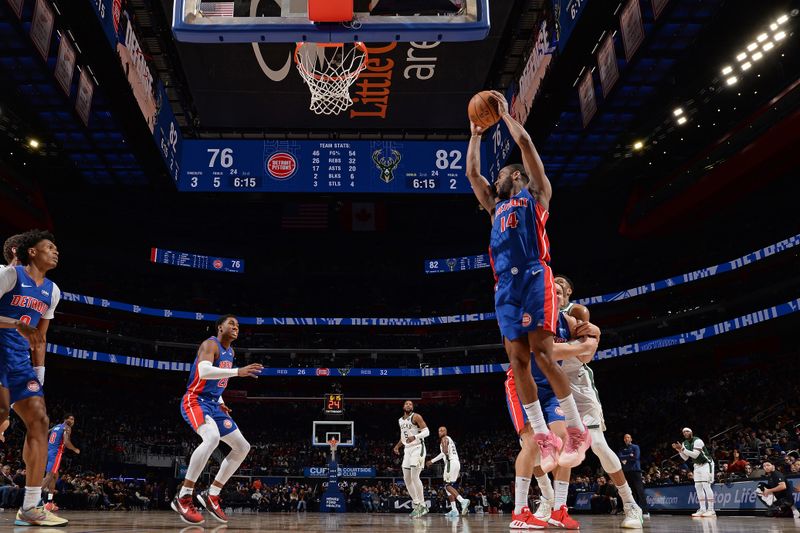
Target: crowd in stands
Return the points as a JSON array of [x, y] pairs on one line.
[[116, 440]]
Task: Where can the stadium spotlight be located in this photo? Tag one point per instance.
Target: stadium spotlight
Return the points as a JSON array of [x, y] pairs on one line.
[[682, 120], [768, 46], [757, 56], [751, 47], [638, 145], [773, 26], [678, 111], [746, 65], [781, 35], [33, 143], [782, 19], [727, 70], [741, 57], [761, 38], [731, 80]]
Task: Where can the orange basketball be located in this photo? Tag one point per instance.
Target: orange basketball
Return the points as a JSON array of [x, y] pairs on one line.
[[482, 110]]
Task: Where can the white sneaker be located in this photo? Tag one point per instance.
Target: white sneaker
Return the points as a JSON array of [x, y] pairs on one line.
[[544, 509], [646, 516], [452, 514], [465, 508], [698, 513], [633, 518], [709, 513]]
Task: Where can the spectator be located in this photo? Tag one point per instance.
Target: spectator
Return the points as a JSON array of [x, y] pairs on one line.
[[9, 490], [777, 487], [738, 465], [630, 457], [605, 498]]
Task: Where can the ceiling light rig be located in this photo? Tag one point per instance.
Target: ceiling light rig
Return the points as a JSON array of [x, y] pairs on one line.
[[764, 42]]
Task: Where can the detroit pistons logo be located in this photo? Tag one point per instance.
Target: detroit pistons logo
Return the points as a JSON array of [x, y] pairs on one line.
[[217, 264], [228, 424], [526, 320], [281, 165], [34, 386]]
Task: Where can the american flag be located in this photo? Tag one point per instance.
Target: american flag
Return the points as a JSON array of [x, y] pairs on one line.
[[216, 9], [305, 216]]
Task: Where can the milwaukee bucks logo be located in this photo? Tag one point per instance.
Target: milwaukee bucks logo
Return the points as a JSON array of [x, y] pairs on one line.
[[387, 165]]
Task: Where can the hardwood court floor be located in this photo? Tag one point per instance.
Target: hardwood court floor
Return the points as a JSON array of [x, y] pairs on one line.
[[97, 522]]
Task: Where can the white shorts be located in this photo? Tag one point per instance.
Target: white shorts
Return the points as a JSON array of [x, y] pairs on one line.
[[452, 472], [704, 472], [414, 456], [587, 400]]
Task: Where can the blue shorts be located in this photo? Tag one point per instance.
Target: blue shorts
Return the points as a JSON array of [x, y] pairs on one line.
[[547, 398], [21, 383], [195, 409], [54, 460], [526, 301]]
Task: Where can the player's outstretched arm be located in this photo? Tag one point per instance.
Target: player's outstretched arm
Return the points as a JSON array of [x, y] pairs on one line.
[[534, 168], [480, 185]]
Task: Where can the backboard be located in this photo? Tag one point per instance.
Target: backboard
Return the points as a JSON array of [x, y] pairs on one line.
[[324, 430], [253, 21]]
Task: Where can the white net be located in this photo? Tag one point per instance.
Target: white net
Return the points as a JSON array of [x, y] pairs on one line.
[[329, 69]]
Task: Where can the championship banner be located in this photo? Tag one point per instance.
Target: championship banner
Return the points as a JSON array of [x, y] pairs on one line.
[[42, 27], [16, 6], [65, 64], [586, 97], [632, 28], [83, 103], [607, 64], [526, 89], [658, 7]]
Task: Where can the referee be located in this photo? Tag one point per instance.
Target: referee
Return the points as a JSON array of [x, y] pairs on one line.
[[629, 456]]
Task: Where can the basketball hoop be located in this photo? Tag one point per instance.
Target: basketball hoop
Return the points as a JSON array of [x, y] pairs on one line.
[[333, 443], [329, 69]]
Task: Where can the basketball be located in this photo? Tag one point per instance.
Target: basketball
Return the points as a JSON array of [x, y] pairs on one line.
[[482, 110]]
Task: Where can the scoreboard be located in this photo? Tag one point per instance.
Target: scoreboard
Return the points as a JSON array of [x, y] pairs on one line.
[[328, 166]]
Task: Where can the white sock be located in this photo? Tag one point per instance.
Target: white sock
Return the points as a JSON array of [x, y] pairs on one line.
[[546, 487], [573, 419], [709, 496], [701, 496], [463, 501], [521, 486], [213, 490], [561, 494], [32, 497], [453, 505], [626, 494], [536, 417], [185, 491]]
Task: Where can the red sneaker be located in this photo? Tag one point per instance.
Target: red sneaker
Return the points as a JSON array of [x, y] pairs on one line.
[[525, 520], [186, 509], [211, 503], [550, 446], [562, 519]]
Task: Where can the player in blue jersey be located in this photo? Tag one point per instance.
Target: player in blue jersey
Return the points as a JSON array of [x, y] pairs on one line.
[[27, 304], [525, 298], [58, 440], [10, 256], [203, 409]]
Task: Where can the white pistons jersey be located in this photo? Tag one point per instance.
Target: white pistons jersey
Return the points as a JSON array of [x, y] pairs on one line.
[[409, 429]]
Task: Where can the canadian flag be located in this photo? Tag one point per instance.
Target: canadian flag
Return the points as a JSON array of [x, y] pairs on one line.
[[366, 216]]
